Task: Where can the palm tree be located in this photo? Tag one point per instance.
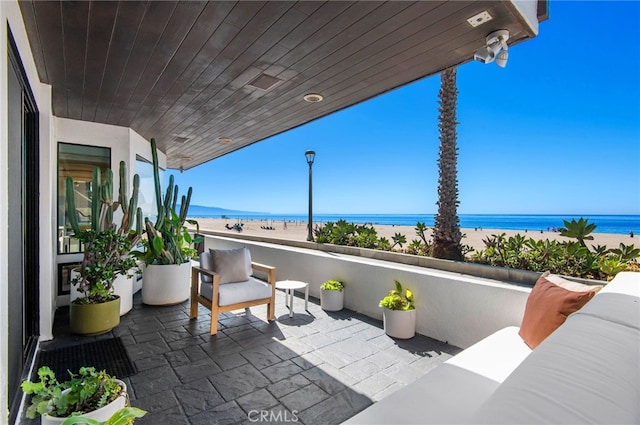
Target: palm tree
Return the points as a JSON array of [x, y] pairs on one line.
[[446, 232]]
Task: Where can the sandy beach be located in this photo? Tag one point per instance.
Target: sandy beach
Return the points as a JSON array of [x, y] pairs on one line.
[[298, 231]]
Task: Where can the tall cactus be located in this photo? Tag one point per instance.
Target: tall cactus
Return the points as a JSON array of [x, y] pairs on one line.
[[169, 242], [107, 246]]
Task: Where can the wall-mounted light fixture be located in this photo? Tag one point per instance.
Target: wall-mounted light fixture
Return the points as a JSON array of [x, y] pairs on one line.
[[496, 49]]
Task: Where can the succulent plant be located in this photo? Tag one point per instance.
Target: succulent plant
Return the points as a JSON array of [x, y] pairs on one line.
[[168, 240], [397, 300], [107, 247]]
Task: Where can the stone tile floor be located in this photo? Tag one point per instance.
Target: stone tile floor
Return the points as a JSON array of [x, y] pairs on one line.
[[313, 368]]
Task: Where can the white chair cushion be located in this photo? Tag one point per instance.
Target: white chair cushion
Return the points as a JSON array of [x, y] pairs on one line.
[[237, 292]]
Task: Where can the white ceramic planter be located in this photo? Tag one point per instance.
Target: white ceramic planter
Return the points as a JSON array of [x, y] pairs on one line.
[[166, 284], [101, 415], [331, 300], [137, 283], [399, 324], [122, 286]]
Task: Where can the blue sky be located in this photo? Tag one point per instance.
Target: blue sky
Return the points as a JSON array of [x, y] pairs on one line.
[[555, 132]]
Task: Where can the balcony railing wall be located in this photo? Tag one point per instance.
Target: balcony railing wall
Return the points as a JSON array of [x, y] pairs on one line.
[[452, 307]]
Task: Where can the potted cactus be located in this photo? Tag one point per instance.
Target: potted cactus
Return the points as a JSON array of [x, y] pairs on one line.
[[332, 295], [107, 252], [399, 313], [168, 247]]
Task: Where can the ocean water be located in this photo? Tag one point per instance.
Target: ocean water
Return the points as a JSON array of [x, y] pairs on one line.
[[619, 224]]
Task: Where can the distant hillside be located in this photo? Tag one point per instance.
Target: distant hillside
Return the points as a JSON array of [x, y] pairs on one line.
[[202, 211]]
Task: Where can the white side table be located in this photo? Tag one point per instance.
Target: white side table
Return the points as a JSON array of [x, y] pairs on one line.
[[289, 286]]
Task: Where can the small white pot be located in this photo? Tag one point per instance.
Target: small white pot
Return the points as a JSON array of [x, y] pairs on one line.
[[166, 284], [399, 324], [101, 415], [331, 300]]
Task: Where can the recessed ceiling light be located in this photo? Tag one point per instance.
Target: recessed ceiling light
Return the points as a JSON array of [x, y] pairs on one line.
[[224, 139], [313, 97], [186, 158]]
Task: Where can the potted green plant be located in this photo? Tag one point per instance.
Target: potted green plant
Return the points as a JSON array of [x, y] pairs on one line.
[[92, 394], [168, 247], [399, 313], [124, 416], [107, 252], [332, 295]]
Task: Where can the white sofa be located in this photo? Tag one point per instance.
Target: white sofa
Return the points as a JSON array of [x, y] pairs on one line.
[[587, 371]]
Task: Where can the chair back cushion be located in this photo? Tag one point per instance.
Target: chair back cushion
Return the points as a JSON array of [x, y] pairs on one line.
[[233, 265], [206, 263]]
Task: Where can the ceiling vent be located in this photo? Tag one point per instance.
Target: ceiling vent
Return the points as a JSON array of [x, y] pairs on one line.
[[180, 139], [264, 82], [479, 19]]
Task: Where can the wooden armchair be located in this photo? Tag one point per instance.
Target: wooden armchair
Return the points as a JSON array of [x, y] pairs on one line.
[[220, 296]]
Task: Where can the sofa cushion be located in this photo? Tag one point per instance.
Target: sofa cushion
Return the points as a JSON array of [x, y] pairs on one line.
[[238, 292], [453, 391], [585, 372], [230, 264], [618, 301], [552, 299]]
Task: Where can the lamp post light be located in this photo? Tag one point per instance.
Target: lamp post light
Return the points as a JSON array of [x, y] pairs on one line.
[[310, 155]]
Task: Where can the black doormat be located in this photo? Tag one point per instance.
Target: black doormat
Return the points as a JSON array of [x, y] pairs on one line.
[[104, 354]]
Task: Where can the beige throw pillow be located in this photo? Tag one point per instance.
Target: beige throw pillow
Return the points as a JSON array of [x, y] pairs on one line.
[[230, 264]]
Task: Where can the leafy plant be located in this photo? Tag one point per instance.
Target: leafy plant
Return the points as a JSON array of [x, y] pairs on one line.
[[384, 244], [612, 266], [168, 240], [570, 258], [398, 239], [124, 416], [579, 230], [332, 285], [422, 245], [397, 300], [421, 228], [364, 237], [107, 247], [88, 390], [626, 252]]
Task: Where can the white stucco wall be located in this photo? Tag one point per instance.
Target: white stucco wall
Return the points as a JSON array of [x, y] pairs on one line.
[[451, 307], [10, 15], [528, 10], [124, 143]]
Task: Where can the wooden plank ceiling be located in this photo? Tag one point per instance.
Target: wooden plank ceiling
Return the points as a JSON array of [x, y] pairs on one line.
[[182, 72]]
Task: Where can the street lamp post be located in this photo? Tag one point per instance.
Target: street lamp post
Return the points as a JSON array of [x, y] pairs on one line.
[[310, 155]]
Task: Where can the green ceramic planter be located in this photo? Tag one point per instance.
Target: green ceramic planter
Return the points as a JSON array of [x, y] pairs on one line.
[[94, 319]]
